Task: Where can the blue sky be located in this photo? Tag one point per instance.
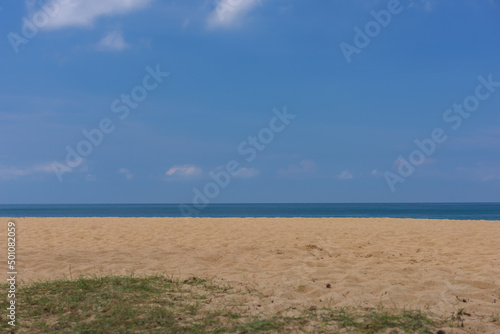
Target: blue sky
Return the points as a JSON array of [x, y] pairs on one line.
[[328, 125]]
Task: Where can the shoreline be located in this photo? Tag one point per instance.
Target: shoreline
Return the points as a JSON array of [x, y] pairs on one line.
[[454, 211], [249, 217]]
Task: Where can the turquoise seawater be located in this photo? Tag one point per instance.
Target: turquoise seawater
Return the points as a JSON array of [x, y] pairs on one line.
[[462, 211]]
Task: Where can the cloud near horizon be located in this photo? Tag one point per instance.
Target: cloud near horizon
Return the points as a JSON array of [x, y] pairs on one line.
[[11, 173], [345, 175], [246, 173], [127, 173], [183, 171]]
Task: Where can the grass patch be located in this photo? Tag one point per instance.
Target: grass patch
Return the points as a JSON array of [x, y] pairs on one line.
[[161, 304], [365, 320]]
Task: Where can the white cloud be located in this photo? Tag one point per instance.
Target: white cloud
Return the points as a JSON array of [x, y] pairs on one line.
[[90, 177], [113, 41], [83, 13], [228, 13], [183, 171], [304, 167], [10, 173], [246, 173], [128, 174], [345, 175]]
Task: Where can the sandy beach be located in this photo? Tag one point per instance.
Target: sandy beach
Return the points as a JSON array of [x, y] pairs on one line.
[[442, 265]]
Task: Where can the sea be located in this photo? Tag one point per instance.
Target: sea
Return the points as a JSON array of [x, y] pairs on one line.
[[459, 211]]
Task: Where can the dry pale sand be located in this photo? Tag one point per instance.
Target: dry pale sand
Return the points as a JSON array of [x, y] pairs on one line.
[[441, 264]]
